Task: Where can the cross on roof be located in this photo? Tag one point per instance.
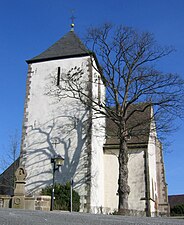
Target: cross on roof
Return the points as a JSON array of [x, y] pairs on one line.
[[72, 20]]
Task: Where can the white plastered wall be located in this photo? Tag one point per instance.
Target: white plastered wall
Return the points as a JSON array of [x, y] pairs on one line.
[[152, 148], [97, 142], [136, 180], [47, 119], [111, 169]]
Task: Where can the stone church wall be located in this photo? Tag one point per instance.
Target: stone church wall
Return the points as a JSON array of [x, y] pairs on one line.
[[64, 126], [152, 176], [110, 181], [136, 180], [97, 143], [163, 205], [48, 121]]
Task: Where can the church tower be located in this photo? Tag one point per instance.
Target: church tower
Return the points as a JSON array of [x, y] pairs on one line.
[[55, 122]]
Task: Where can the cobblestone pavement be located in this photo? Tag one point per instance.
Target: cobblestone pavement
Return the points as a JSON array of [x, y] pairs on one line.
[[22, 217]]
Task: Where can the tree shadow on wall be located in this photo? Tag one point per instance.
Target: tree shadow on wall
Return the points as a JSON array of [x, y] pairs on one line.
[[72, 132]]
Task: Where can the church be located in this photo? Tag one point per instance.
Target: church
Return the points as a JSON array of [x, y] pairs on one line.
[[87, 142]]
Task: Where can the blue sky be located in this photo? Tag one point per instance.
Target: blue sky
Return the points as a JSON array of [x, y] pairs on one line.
[[29, 27]]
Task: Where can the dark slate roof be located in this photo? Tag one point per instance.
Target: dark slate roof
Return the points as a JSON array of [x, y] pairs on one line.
[[138, 126], [176, 200], [7, 178], [68, 46]]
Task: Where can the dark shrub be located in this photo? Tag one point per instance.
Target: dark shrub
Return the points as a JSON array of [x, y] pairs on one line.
[[62, 197], [177, 210]]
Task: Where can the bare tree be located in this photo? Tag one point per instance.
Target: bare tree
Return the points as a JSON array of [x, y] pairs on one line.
[[127, 61]]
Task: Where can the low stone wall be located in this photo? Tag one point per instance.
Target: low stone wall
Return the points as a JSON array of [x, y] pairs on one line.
[[30, 203], [19, 200], [164, 210], [43, 203], [5, 201]]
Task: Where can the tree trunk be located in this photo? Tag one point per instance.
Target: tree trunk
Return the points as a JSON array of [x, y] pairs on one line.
[[123, 189]]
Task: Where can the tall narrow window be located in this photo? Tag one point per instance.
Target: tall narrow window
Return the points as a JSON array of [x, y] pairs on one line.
[[58, 76]]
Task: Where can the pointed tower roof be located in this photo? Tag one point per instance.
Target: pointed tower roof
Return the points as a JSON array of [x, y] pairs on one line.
[[68, 46]]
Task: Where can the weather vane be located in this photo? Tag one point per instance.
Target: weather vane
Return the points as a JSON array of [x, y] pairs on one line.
[[72, 20]]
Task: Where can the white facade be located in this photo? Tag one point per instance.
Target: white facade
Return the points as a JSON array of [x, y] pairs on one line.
[[65, 122], [136, 180], [97, 142], [111, 168], [152, 147]]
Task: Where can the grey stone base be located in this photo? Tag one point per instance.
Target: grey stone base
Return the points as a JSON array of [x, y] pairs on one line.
[[131, 212]]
